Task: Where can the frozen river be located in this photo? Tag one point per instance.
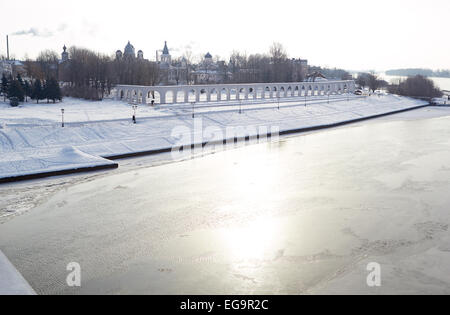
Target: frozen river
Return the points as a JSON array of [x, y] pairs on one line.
[[302, 215]]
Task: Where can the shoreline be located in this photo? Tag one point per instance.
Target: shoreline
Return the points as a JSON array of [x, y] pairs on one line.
[[113, 157]]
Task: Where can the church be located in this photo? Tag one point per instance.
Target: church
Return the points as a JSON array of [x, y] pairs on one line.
[[129, 53], [173, 72], [180, 73]]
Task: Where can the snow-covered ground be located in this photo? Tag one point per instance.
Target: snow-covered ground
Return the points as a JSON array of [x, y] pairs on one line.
[[53, 159], [89, 111], [32, 139]]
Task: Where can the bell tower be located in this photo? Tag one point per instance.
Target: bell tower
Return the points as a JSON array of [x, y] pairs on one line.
[[64, 54]]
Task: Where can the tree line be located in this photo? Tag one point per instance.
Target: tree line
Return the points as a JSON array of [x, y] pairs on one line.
[[370, 80], [92, 75], [19, 90], [419, 71], [417, 86], [414, 86], [274, 66]]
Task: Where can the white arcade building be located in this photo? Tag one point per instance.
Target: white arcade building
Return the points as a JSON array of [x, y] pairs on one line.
[[227, 92]]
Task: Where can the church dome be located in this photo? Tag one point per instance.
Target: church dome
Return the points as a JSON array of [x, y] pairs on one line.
[[129, 50], [208, 56]]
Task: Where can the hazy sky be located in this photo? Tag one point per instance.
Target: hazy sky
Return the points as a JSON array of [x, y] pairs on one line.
[[351, 34]]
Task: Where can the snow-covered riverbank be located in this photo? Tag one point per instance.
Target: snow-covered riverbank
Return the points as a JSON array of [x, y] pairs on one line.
[[31, 137]]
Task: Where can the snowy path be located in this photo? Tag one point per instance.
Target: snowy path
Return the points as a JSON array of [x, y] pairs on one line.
[[35, 142]]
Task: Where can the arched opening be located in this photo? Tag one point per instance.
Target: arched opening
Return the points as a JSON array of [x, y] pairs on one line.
[[214, 95], [267, 92], [274, 91], [203, 95], [297, 91], [121, 94], [153, 96], [260, 93], [289, 91], [241, 94], [223, 94], [233, 94], [133, 96], [170, 97], [192, 96], [180, 97]]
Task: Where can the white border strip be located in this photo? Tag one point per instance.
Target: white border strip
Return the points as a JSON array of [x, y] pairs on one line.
[[11, 281]]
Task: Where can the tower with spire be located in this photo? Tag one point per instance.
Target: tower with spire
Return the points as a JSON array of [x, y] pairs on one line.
[[165, 57]]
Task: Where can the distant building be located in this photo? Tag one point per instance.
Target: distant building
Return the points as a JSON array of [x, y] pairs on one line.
[[208, 71], [300, 67], [6, 68], [166, 57], [12, 67], [64, 55], [172, 72], [129, 53]]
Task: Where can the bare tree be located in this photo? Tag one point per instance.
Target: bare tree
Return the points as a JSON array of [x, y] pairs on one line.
[[48, 61], [280, 67], [373, 82], [362, 80], [189, 59]]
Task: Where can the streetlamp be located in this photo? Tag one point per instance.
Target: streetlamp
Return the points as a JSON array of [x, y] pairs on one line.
[[135, 107], [193, 109], [62, 117]]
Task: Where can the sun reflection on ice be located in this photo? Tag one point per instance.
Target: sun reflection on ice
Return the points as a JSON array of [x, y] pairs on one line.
[[254, 174], [255, 242]]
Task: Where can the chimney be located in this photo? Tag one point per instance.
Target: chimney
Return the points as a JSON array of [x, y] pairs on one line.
[[7, 47]]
